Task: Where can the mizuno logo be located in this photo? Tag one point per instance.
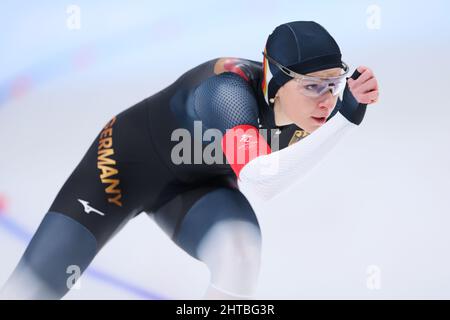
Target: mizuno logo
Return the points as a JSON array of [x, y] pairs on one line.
[[89, 209]]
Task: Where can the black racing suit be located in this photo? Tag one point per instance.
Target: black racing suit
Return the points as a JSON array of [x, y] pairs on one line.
[[128, 169]]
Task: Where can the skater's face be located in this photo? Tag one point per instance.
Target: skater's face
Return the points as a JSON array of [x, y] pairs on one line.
[[309, 113]]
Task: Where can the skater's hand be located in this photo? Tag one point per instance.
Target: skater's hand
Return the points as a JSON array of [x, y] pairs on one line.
[[365, 88]]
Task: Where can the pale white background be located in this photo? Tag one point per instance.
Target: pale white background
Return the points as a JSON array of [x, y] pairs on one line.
[[380, 198]]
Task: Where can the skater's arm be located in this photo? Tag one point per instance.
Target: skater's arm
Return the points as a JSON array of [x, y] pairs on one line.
[[267, 175]]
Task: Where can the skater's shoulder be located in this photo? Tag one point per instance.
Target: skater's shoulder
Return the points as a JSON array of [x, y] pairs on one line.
[[247, 69], [227, 99]]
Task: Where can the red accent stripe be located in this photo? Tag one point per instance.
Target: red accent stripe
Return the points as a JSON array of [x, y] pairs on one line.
[[232, 66], [264, 79]]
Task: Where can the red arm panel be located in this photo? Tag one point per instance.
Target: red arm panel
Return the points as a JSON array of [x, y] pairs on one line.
[[241, 144]]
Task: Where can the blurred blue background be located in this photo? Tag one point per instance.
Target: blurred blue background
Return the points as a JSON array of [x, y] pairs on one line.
[[67, 67]]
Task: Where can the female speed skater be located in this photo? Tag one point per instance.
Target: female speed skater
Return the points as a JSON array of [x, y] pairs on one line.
[[270, 122]]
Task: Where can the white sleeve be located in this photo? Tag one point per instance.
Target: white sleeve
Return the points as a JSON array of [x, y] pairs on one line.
[[269, 175]]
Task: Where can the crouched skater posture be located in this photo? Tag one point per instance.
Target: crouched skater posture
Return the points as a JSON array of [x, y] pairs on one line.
[[272, 122]]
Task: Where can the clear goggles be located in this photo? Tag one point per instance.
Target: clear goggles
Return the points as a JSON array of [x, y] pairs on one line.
[[315, 86]]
